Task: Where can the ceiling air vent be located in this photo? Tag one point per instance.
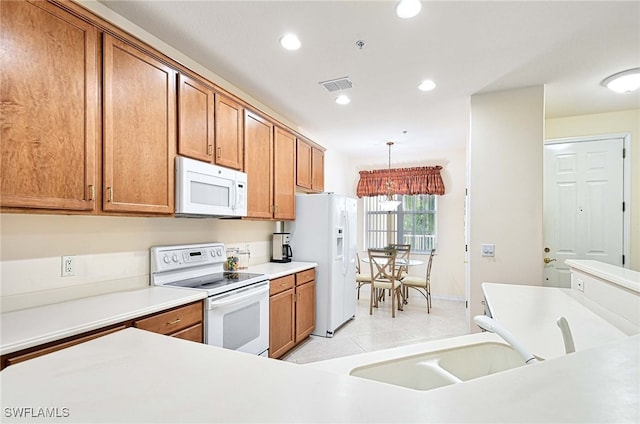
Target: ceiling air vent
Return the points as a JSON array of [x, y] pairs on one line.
[[337, 84]]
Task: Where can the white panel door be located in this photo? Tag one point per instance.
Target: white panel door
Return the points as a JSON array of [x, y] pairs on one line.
[[583, 197]]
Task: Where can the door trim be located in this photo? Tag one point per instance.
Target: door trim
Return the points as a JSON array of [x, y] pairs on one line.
[[626, 181]]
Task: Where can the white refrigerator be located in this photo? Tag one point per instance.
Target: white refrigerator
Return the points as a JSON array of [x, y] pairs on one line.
[[325, 232]]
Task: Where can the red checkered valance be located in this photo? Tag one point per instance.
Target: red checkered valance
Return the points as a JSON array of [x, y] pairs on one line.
[[420, 180]]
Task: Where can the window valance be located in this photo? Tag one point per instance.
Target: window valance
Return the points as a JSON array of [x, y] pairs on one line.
[[420, 180]]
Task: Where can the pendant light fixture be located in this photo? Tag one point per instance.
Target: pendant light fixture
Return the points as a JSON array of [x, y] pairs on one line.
[[389, 205]]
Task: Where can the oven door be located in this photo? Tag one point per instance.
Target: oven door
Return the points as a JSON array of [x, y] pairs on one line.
[[239, 320]]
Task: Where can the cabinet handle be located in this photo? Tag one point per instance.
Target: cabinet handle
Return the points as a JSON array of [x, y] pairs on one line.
[[174, 322], [219, 152], [92, 192], [209, 149], [109, 194]]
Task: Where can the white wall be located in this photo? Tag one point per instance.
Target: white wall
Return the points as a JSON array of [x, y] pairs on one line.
[[627, 121], [336, 174], [505, 189], [112, 253], [447, 274]]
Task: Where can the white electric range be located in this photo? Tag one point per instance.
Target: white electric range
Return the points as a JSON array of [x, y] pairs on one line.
[[237, 306]]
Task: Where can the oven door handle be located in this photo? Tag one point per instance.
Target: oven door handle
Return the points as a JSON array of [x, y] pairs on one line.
[[234, 298]]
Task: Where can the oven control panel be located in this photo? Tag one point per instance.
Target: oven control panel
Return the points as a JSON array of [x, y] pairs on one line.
[[168, 258]]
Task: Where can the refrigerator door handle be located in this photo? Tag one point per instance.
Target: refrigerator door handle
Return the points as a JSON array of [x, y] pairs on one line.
[[345, 249]]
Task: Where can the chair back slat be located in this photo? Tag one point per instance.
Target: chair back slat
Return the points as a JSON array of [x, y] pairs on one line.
[[404, 255], [383, 264]]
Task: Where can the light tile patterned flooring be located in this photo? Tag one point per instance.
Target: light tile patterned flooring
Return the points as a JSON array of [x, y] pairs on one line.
[[366, 333]]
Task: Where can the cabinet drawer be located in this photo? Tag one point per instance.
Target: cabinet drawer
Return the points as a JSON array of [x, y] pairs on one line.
[[59, 346], [281, 284], [195, 333], [305, 276], [172, 321]]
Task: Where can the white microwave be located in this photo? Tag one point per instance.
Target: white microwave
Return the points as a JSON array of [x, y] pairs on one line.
[[203, 189]]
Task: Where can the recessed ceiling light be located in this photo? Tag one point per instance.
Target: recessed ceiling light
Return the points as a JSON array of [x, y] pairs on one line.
[[427, 85], [408, 8], [343, 99], [623, 82], [290, 42]]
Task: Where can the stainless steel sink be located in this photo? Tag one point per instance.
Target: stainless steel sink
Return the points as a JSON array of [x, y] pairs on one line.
[[441, 368]]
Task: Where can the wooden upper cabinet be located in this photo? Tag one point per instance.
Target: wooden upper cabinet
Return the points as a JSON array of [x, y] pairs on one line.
[[309, 167], [317, 170], [195, 118], [229, 146], [284, 175], [139, 130], [258, 164], [303, 164], [48, 107]]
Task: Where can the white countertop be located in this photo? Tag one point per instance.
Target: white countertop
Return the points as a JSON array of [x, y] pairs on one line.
[[276, 269], [623, 277], [34, 326], [530, 313], [137, 376]]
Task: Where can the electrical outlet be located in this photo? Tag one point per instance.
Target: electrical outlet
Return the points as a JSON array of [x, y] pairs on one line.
[[68, 266], [488, 249]]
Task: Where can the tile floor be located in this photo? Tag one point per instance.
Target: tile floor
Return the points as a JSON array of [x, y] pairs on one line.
[[367, 333]]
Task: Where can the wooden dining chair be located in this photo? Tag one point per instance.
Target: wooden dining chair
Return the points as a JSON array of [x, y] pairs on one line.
[[362, 278], [422, 285], [384, 277]]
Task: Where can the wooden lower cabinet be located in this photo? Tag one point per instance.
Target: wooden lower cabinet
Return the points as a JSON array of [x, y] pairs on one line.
[[183, 322], [291, 311], [172, 321]]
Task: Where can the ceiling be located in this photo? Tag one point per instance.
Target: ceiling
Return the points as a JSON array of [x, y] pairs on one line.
[[466, 47]]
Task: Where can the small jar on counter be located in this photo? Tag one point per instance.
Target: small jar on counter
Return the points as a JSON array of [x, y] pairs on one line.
[[233, 259]]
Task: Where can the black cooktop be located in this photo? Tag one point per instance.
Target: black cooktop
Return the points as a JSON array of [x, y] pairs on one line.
[[217, 280]]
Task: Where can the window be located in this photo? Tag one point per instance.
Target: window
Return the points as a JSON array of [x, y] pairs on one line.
[[414, 223]]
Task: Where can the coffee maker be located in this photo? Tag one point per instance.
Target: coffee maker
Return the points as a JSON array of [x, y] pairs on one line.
[[281, 249]]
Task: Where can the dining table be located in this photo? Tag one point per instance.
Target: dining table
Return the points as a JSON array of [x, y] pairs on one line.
[[399, 263]]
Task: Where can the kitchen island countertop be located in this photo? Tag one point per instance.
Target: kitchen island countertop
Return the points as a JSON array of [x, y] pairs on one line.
[[137, 376]]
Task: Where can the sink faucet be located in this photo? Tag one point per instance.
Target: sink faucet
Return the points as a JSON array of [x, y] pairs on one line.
[[494, 326]]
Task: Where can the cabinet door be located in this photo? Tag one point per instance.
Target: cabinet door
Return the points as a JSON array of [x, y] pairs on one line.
[[305, 310], [284, 174], [258, 142], [303, 164], [48, 107], [139, 130], [317, 170], [229, 141], [195, 118], [281, 323]]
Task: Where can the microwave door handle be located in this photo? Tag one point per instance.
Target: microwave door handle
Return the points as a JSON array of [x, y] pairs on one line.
[[236, 196]]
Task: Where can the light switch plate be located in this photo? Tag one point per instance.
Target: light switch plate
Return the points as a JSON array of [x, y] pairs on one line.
[[488, 250]]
